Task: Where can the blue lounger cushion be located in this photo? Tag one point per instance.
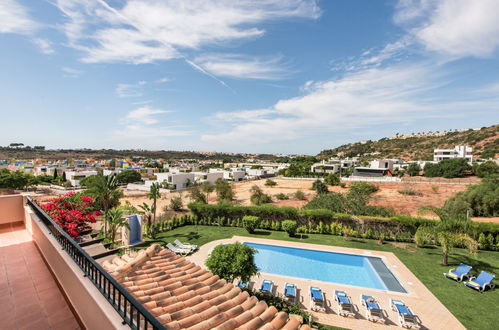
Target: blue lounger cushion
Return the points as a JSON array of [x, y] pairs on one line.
[[290, 290], [370, 302], [316, 293], [266, 286], [343, 297]]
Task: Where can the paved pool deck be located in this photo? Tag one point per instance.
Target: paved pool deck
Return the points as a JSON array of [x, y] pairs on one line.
[[433, 314]]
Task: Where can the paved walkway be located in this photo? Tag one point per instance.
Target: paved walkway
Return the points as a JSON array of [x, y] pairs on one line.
[[29, 295], [432, 312]]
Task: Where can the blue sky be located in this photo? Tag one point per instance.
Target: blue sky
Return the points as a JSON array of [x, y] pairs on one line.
[[288, 76]]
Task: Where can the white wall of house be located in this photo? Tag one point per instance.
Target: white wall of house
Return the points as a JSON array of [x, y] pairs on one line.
[[74, 177], [457, 152], [177, 180]]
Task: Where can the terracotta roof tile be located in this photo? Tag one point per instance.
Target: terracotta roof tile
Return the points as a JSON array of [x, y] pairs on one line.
[[182, 295]]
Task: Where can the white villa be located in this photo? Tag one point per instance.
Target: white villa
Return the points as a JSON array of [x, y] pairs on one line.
[[457, 152]]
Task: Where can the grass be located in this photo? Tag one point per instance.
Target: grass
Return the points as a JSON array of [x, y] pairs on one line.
[[472, 308]]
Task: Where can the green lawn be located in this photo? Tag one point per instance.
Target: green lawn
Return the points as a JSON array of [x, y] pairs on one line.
[[475, 310]]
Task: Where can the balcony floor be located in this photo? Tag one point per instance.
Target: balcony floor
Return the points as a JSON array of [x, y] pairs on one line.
[[29, 295]]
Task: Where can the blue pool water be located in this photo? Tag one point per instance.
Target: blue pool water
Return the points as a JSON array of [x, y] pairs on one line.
[[319, 265]]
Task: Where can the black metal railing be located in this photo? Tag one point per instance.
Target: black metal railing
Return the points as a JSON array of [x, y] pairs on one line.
[[130, 310]]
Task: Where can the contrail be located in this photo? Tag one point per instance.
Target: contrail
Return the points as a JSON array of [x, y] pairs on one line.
[[141, 29]]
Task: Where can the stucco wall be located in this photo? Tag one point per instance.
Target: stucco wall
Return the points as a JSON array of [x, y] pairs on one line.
[[11, 209], [92, 308]]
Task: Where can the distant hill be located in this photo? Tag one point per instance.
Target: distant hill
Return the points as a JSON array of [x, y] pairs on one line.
[[419, 146]]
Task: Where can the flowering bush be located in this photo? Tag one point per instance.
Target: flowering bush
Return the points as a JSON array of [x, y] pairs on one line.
[[72, 212]]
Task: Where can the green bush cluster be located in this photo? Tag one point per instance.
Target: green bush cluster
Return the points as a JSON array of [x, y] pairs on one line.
[[251, 223], [448, 168], [290, 226]]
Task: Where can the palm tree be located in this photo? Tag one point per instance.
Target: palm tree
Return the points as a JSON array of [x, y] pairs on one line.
[[450, 232], [154, 194], [105, 190], [146, 211], [115, 221]]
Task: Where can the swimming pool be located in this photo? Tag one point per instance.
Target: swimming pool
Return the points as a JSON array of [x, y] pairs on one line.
[[351, 269]]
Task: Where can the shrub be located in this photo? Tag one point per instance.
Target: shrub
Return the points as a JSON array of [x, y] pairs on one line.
[[242, 262], [481, 199], [482, 241], [448, 168], [410, 192], [258, 197], [489, 168], [300, 195], [361, 188], [270, 183], [332, 179], [320, 187], [250, 223], [434, 189], [224, 190], [413, 169], [290, 226], [176, 203], [128, 176], [282, 196], [423, 236], [72, 212]]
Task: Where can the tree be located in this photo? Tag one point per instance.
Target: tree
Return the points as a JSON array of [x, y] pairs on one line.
[[224, 191], [320, 187], [13, 179], [413, 169], [242, 262], [154, 194], [207, 188], [332, 179], [104, 188], [450, 232], [146, 211], [270, 183], [176, 203], [448, 168], [258, 197], [489, 168], [115, 220], [55, 173], [128, 176], [481, 200], [196, 195]]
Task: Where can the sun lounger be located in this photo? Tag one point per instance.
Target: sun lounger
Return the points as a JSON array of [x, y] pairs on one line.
[[290, 292], [459, 273], [266, 286], [481, 282], [343, 303], [242, 285], [374, 312], [405, 317], [182, 252], [317, 299], [181, 245]]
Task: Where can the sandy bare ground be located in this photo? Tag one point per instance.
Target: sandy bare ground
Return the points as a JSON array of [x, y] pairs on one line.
[[388, 195]]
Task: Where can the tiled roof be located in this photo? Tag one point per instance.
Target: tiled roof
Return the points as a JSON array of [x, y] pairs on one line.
[[183, 295]]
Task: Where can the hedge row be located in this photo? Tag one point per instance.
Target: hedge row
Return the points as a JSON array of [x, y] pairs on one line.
[[271, 213]]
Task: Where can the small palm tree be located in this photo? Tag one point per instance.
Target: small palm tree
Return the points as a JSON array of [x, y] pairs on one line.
[[146, 211], [105, 188], [154, 194], [451, 232], [115, 220]]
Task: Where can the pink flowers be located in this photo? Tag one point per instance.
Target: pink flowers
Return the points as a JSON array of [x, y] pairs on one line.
[[72, 212]]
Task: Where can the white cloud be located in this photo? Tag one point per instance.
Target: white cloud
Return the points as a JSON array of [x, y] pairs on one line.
[[243, 66], [163, 80], [130, 90], [144, 31], [143, 123], [14, 18], [456, 28], [71, 72], [144, 115], [369, 97], [44, 45]]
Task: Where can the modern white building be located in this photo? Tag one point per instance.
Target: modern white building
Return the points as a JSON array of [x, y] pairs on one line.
[[74, 177], [457, 152], [210, 177], [178, 180], [332, 165]]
